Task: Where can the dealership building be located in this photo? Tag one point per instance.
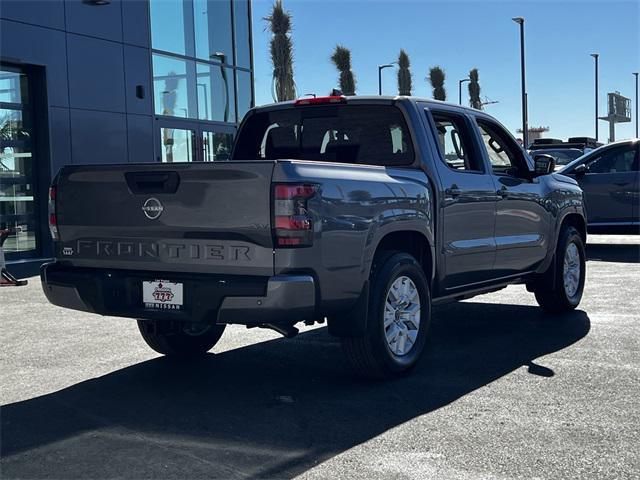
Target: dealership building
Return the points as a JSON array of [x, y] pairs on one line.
[[112, 81]]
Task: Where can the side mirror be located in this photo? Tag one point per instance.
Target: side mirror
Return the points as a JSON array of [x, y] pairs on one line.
[[544, 164], [580, 170]]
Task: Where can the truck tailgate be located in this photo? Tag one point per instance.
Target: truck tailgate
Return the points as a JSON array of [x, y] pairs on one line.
[[192, 217]]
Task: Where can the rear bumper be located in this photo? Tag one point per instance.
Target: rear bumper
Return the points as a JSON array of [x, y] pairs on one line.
[[207, 298]]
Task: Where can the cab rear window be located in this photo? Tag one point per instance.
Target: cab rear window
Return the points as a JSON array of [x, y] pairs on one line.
[[361, 134]]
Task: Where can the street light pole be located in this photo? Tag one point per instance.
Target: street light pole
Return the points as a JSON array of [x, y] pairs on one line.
[[380, 68], [525, 126], [595, 57], [636, 75], [460, 82]]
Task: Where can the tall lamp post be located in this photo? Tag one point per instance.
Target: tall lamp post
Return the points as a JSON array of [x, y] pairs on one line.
[[595, 57], [525, 126], [460, 82], [636, 75], [380, 68]]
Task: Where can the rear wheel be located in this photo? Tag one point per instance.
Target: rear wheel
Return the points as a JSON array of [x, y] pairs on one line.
[[569, 271], [186, 340], [398, 318]]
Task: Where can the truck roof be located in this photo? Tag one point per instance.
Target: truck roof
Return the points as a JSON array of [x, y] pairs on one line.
[[370, 99]]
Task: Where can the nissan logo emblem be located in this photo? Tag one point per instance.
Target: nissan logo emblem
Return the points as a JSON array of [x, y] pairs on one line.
[[152, 208]]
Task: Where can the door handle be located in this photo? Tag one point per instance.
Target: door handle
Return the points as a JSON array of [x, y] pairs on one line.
[[503, 192], [453, 191], [622, 184]]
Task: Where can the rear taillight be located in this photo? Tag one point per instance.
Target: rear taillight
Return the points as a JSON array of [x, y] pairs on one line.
[[53, 219], [293, 225]]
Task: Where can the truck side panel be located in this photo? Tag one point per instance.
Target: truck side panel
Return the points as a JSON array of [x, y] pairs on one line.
[[358, 205]]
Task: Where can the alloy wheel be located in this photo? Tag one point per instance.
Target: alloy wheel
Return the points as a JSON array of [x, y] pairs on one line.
[[402, 315]]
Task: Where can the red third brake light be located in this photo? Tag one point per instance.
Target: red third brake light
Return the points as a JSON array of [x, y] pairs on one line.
[[321, 100], [288, 191], [292, 223]]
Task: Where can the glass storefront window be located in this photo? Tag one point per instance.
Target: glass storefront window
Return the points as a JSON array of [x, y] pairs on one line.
[[177, 145], [244, 93], [12, 126], [215, 93], [168, 30], [195, 144], [212, 19], [17, 199], [198, 49], [243, 37], [15, 162], [13, 87], [174, 86], [216, 146], [17, 173]]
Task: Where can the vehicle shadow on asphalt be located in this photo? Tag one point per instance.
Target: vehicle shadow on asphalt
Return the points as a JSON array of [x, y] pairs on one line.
[[272, 409], [609, 252]]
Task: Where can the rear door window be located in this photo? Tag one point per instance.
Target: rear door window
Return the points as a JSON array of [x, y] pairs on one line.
[[362, 134], [455, 142]]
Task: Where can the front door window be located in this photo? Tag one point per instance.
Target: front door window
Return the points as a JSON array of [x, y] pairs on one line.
[[505, 156], [615, 160], [18, 208]]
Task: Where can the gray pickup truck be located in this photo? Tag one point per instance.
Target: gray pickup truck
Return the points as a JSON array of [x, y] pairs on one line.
[[362, 211]]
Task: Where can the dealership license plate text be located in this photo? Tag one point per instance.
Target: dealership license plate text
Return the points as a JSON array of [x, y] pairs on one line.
[[162, 295]]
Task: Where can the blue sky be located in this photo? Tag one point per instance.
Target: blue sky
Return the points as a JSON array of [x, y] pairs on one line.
[[460, 35]]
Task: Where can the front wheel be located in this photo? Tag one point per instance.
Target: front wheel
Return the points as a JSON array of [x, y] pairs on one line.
[[398, 318], [188, 340], [569, 271]]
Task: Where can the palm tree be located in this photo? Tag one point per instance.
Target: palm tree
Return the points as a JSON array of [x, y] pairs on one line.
[[281, 53], [404, 74], [474, 90], [341, 58], [436, 78]]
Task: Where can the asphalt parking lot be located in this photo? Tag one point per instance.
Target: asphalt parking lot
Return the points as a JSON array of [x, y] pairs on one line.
[[504, 391]]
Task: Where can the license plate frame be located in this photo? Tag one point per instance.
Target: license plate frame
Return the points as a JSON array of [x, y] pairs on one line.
[[162, 295]]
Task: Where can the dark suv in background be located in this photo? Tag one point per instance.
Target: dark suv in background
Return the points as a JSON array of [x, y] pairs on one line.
[[610, 180]]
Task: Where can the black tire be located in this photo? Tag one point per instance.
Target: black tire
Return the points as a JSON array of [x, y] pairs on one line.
[[184, 341], [551, 293], [371, 355]]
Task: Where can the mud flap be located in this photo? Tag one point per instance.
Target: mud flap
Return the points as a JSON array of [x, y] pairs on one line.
[[353, 322], [546, 279]]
